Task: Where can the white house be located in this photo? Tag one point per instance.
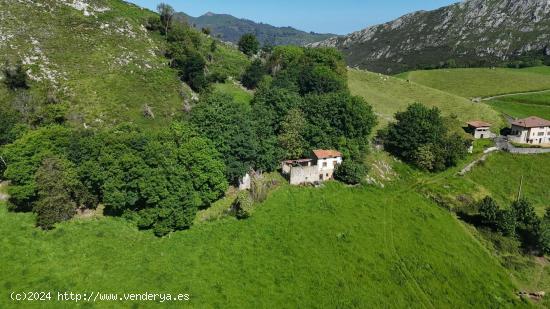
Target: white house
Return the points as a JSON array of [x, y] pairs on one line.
[[317, 169], [532, 130], [480, 129]]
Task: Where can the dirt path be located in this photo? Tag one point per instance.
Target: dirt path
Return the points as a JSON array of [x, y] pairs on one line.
[[514, 94]]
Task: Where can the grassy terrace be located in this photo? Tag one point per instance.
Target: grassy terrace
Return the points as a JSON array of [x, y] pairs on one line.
[[482, 82], [304, 247], [389, 95], [522, 106]]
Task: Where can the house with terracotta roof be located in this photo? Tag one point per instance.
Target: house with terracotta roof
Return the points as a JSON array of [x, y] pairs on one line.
[[480, 129], [320, 167], [532, 130]]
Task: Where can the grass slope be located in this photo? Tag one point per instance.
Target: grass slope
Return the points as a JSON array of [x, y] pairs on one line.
[[389, 95], [522, 106], [99, 58], [482, 82], [499, 176], [335, 247]]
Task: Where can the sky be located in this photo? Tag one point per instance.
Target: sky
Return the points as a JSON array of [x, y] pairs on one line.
[[323, 16]]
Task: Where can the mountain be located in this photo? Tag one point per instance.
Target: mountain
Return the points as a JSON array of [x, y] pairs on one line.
[[230, 29], [469, 33], [98, 57]]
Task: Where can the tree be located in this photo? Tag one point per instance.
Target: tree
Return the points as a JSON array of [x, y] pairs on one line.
[[321, 79], [524, 211], [488, 210], [56, 183], [9, 119], [544, 233], [24, 157], [249, 45], [160, 177], [350, 172], [291, 139], [15, 76], [253, 74], [229, 125], [506, 222], [166, 15], [423, 137]]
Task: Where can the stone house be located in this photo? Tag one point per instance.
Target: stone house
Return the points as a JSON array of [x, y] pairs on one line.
[[317, 169], [532, 131], [480, 129]]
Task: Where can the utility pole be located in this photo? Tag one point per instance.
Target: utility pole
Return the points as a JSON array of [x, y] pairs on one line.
[[520, 188]]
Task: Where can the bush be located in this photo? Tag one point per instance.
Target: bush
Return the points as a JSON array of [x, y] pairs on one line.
[[421, 136], [15, 77], [249, 44], [242, 205], [506, 222], [57, 186], [350, 172], [488, 210], [253, 74]]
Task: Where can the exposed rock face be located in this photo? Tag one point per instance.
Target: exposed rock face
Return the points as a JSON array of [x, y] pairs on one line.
[[475, 32]]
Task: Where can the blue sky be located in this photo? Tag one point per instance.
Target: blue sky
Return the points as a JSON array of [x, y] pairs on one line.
[[339, 16]]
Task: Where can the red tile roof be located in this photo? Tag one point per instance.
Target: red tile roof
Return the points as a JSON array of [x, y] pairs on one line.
[[326, 154], [478, 124], [532, 122]]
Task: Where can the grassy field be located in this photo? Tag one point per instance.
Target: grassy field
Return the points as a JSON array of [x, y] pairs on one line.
[[389, 95], [335, 247], [500, 176], [482, 82], [235, 91], [522, 106]]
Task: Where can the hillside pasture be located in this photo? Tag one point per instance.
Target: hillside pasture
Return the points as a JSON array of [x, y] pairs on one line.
[[482, 82], [304, 247], [389, 95], [521, 106]]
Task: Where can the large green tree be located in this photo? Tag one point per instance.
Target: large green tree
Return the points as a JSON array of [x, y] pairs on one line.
[[291, 138], [423, 137], [229, 125], [59, 192], [162, 177], [249, 44]]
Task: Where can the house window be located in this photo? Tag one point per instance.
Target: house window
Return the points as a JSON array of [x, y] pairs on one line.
[[541, 133], [325, 164], [336, 162]]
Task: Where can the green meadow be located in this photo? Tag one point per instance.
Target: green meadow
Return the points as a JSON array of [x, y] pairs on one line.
[[331, 247], [482, 82], [521, 106], [389, 95]]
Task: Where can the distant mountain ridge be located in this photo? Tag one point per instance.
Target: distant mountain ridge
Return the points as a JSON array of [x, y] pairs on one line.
[[230, 29], [469, 33]]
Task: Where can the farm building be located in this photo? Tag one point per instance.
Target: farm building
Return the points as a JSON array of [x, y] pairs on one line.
[[319, 168], [532, 130], [480, 129]]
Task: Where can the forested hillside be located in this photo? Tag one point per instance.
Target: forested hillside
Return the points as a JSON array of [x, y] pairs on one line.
[[230, 29]]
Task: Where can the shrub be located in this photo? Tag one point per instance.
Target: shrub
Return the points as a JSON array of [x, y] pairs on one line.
[[57, 183], [488, 210], [350, 172], [424, 138], [506, 222], [253, 74], [15, 77], [242, 205], [249, 45]]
